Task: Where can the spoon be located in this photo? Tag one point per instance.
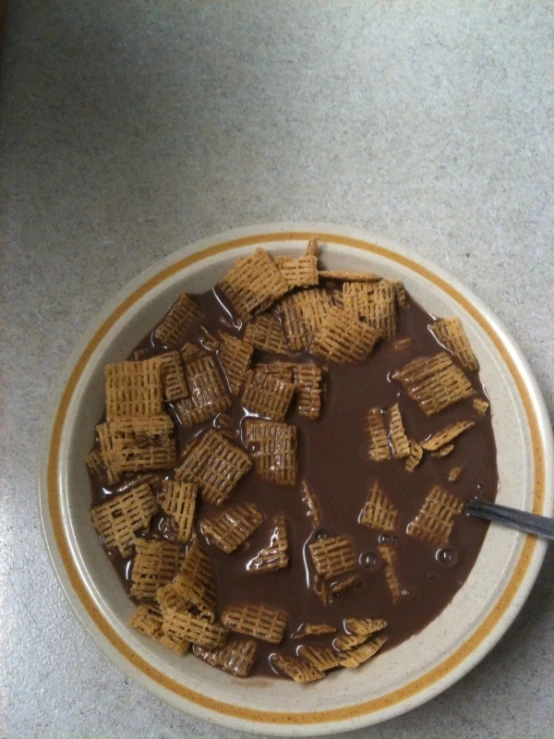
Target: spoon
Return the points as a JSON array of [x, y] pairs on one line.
[[521, 520]]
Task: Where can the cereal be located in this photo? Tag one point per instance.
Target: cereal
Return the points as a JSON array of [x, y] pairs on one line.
[[379, 449], [333, 556], [444, 451], [173, 376], [312, 505], [168, 597], [195, 581], [134, 389], [400, 443], [451, 334], [347, 274], [322, 658], [445, 436], [321, 589], [297, 669], [274, 556], [266, 334], [147, 619], [253, 284], [455, 472], [313, 630], [364, 626], [434, 522], [215, 464], [400, 293], [155, 564], [308, 380], [178, 500], [176, 645], [312, 248], [119, 518], [232, 527], [415, 456], [181, 317], [273, 447], [259, 621], [341, 337], [189, 352], [390, 557], [480, 405], [358, 656], [235, 355], [400, 345], [342, 584], [137, 443], [299, 271], [434, 382], [267, 395], [207, 393], [302, 314], [373, 302], [237, 658], [183, 626], [98, 470], [348, 641], [378, 512]]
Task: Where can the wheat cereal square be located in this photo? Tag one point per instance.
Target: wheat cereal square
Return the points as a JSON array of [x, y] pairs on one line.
[[333, 556], [154, 565], [435, 520], [178, 500], [342, 338], [230, 528], [451, 334], [133, 388], [259, 621], [207, 393], [119, 518], [298, 271], [178, 321], [273, 448], [235, 356], [378, 511], [267, 395]]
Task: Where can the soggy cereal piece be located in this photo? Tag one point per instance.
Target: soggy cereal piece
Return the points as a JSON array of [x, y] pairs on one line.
[[379, 449], [195, 582], [356, 657], [181, 317], [98, 470], [415, 456], [444, 451], [297, 669], [480, 405], [455, 472], [390, 558], [333, 556], [373, 302], [313, 630], [451, 334], [173, 376], [207, 393], [147, 619], [260, 621], [378, 512], [119, 518], [267, 395], [134, 388], [253, 284], [400, 345], [274, 556], [399, 442], [280, 370], [168, 597], [155, 564], [190, 352], [302, 314], [238, 657], [266, 334], [400, 293], [298, 271], [446, 435], [138, 443], [321, 589], [342, 584], [348, 641], [183, 626], [342, 338], [311, 503], [348, 275], [273, 447], [178, 500], [232, 527], [434, 522], [215, 464], [308, 380], [434, 382], [235, 355], [322, 658], [364, 626], [210, 656]]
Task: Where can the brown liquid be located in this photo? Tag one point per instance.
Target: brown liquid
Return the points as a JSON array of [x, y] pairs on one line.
[[333, 459]]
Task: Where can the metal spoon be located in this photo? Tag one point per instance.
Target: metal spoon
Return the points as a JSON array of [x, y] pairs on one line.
[[521, 520]]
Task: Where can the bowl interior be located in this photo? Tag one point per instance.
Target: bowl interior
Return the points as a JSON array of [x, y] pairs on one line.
[[394, 669]]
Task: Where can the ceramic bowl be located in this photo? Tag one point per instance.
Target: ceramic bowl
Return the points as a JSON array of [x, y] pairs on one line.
[[401, 678]]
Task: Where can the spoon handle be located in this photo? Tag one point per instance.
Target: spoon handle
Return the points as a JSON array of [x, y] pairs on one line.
[[521, 520]]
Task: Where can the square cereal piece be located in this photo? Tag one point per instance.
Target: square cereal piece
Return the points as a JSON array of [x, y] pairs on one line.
[[119, 518], [308, 379], [98, 470], [173, 376], [378, 511], [320, 657], [266, 334], [235, 356], [267, 395], [215, 464], [299, 271], [379, 449], [342, 338], [451, 334], [313, 630], [390, 558], [274, 556], [138, 443], [230, 528], [443, 437], [373, 302], [134, 389], [253, 284], [273, 447], [400, 444], [178, 500], [175, 325], [348, 641], [364, 626], [333, 556], [147, 619], [195, 582], [434, 522], [434, 382], [297, 669], [301, 315], [238, 657], [311, 503], [155, 564], [415, 456], [183, 626], [260, 621], [207, 393], [356, 657]]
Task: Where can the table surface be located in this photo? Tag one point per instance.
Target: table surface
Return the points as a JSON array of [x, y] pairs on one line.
[[128, 129]]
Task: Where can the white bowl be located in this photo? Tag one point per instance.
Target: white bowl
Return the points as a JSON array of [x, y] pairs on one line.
[[401, 678]]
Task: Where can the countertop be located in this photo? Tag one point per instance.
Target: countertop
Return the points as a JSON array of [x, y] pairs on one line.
[[130, 128]]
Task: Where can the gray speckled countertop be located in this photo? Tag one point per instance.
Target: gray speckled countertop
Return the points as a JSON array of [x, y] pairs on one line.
[[130, 128]]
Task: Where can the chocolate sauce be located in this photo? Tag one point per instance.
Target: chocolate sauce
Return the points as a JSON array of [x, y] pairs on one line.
[[333, 459]]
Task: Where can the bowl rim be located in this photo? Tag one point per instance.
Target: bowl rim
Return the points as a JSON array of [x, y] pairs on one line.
[[346, 718]]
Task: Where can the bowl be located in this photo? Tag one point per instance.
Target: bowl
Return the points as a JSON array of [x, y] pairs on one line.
[[400, 679]]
